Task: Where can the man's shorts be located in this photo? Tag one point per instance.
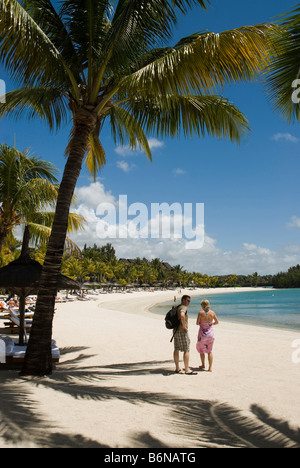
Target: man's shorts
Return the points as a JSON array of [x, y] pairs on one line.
[[182, 341]]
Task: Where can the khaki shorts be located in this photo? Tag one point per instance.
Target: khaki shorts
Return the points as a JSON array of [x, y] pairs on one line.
[[182, 341]]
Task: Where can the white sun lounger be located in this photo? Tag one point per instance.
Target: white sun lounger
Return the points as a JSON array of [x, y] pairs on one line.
[[15, 354], [2, 351], [14, 324]]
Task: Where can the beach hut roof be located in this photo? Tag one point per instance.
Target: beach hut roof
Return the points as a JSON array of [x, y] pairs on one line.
[[24, 274]]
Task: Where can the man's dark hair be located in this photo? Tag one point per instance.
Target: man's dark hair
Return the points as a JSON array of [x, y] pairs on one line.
[[185, 297]]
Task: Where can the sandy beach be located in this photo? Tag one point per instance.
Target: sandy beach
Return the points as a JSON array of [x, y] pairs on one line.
[[115, 385]]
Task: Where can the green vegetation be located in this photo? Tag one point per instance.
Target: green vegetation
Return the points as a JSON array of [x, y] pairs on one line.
[[100, 266], [290, 279]]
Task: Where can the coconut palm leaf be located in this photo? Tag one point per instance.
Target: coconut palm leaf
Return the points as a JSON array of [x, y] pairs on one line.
[[41, 61], [40, 233], [136, 26], [202, 62], [48, 104], [81, 17], [51, 22], [284, 68], [25, 187], [125, 127], [95, 157], [190, 115], [33, 196], [76, 221]]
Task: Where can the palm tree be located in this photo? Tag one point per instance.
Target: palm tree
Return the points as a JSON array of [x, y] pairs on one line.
[[26, 186], [283, 75], [105, 60]]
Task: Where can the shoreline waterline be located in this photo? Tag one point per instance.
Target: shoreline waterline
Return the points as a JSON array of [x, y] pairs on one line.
[[260, 307]]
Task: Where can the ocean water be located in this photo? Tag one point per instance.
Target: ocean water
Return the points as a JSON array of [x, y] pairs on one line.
[[274, 308]]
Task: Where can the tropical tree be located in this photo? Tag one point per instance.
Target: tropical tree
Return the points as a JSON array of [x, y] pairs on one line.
[[283, 74], [26, 187], [106, 60]]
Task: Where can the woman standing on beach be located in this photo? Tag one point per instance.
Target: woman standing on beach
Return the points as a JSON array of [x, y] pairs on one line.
[[206, 319]]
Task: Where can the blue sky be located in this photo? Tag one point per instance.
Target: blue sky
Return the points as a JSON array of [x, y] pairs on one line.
[[250, 192]]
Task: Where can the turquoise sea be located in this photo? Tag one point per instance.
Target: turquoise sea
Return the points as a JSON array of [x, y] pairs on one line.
[[274, 308]]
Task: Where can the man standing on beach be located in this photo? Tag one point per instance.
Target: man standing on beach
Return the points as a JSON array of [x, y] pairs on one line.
[[181, 338]]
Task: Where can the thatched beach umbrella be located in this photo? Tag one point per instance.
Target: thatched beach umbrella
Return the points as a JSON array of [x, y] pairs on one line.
[[21, 277]]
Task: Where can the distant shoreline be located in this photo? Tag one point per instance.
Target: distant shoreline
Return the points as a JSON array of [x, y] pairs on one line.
[[161, 308]]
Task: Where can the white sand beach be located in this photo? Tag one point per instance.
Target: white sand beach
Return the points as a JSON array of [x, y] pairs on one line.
[[115, 385]]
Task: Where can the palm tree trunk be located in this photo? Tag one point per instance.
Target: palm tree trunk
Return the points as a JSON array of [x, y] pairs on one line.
[[2, 239], [22, 307], [38, 359]]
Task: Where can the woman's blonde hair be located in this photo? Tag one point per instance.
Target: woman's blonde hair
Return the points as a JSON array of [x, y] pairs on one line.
[[205, 304]]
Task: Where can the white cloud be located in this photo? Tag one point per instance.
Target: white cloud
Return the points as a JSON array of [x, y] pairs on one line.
[[286, 137], [124, 166], [93, 194], [295, 222], [179, 171], [125, 150], [154, 143], [191, 254]]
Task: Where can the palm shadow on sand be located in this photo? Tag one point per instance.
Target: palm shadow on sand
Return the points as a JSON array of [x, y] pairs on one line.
[[201, 423]]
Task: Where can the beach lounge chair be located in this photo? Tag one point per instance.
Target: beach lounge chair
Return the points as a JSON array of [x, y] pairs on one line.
[[14, 324], [28, 314], [14, 355], [2, 351]]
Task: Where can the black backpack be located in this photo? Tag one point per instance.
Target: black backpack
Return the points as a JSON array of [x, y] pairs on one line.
[[172, 321]]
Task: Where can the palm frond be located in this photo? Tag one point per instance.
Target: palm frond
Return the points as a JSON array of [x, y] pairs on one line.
[[135, 27], [41, 61], [19, 168], [86, 22], [36, 193], [191, 115], [46, 103], [95, 158], [284, 67], [35, 168], [202, 62], [127, 128], [40, 233], [51, 22], [76, 221], [147, 21]]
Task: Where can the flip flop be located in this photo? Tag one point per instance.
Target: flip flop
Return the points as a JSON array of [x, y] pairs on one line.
[[178, 372], [191, 373]]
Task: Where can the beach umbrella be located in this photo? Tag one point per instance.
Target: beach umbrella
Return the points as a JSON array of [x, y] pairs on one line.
[[22, 277]]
